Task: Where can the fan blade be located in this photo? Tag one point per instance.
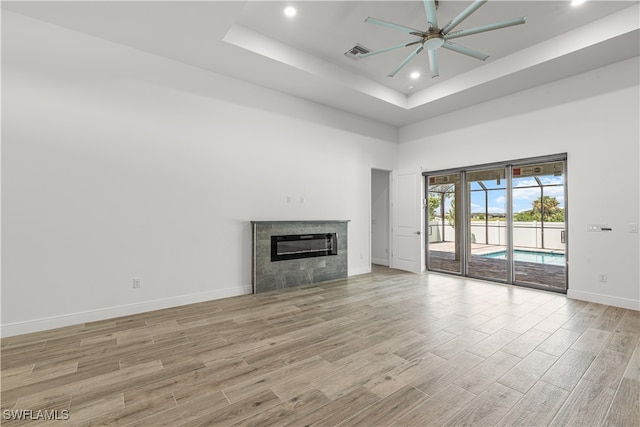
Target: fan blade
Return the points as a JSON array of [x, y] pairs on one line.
[[393, 26], [406, 61], [388, 49], [430, 11], [433, 63], [465, 51], [463, 15], [484, 28]]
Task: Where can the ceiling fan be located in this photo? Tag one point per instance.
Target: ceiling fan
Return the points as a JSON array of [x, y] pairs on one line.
[[435, 37]]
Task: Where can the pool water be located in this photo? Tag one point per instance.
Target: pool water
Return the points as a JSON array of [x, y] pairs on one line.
[[530, 256]]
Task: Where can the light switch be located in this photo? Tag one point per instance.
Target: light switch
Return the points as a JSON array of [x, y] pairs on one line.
[[633, 228]]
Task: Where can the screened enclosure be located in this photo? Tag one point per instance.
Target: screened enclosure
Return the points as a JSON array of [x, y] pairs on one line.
[[503, 222]]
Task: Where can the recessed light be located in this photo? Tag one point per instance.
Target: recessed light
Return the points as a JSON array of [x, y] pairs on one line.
[[575, 3], [290, 11], [415, 75]]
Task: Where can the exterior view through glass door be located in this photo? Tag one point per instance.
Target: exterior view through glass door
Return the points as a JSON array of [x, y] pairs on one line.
[[502, 222], [539, 232], [443, 233], [487, 224]]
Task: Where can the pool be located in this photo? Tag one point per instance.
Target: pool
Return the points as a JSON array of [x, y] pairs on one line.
[[530, 256]]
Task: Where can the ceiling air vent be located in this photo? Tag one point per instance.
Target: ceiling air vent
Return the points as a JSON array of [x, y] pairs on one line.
[[355, 51]]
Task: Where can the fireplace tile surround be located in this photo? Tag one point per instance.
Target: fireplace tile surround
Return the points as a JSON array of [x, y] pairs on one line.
[[269, 275]]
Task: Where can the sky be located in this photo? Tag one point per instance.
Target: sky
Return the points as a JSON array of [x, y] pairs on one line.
[[525, 191]]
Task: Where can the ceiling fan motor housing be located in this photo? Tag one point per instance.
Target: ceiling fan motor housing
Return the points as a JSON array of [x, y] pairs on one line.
[[433, 40]]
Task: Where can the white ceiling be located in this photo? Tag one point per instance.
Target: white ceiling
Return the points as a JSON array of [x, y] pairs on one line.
[[304, 56]]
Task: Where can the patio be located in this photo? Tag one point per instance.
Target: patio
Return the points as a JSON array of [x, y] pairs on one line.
[[442, 258]]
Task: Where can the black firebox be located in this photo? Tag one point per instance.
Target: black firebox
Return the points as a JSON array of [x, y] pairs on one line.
[[294, 246]]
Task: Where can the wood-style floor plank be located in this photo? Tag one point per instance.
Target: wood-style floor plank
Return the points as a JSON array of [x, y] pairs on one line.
[[380, 349], [625, 408], [587, 404], [569, 369], [537, 407], [437, 409], [488, 408], [385, 411], [528, 371], [288, 410], [487, 372], [337, 410]]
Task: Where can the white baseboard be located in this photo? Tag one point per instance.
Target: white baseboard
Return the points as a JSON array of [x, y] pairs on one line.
[[359, 270], [604, 299], [43, 324], [380, 261]]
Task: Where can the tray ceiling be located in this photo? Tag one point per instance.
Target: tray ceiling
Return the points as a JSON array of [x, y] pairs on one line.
[[304, 55]]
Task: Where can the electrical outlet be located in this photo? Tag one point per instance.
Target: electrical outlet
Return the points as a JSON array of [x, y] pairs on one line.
[[603, 277], [136, 283]]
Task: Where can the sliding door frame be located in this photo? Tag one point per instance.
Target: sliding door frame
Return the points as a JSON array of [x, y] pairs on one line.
[[464, 222]]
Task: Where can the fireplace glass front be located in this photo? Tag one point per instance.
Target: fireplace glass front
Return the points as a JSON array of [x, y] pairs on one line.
[[294, 246]]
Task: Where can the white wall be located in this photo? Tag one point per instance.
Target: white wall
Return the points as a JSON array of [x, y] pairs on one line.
[[117, 164], [380, 217], [593, 117]]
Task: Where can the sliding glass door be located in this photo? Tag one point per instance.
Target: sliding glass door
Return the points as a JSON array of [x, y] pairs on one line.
[[443, 217], [501, 222], [487, 224], [539, 232]]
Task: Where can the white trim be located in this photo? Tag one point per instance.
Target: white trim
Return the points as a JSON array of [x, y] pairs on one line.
[[379, 261], [43, 324], [604, 299], [358, 271]]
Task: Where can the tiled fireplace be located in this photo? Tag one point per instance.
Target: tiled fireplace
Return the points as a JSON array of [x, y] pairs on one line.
[[294, 253]]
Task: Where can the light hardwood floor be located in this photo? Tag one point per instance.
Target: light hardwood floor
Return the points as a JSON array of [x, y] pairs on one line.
[[388, 348]]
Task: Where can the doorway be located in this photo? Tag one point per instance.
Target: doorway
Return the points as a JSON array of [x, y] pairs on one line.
[[487, 226], [500, 222], [444, 202], [380, 217]]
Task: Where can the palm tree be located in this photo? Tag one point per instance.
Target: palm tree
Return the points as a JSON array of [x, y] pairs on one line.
[[544, 208]]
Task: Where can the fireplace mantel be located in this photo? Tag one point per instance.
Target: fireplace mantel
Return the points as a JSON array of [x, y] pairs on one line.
[[312, 221], [270, 275]]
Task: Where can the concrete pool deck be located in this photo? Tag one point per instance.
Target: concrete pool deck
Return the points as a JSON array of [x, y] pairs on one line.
[[553, 277]]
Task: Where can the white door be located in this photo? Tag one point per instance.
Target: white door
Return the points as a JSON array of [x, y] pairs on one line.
[[406, 223]]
